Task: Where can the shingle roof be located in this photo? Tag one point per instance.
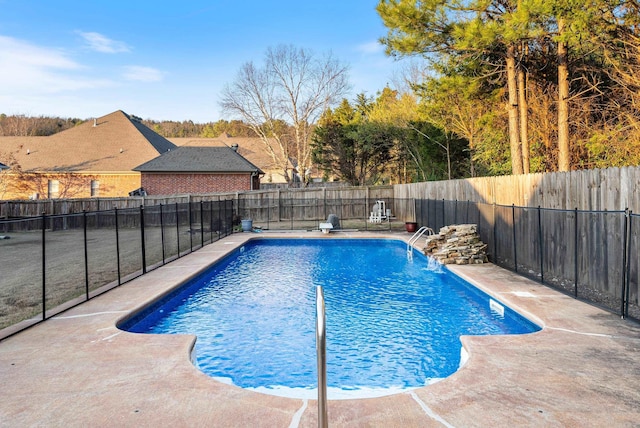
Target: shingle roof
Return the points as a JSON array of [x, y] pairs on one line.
[[199, 159], [115, 142], [253, 149]]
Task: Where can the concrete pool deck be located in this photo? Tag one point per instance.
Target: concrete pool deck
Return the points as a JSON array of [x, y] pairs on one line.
[[77, 369]]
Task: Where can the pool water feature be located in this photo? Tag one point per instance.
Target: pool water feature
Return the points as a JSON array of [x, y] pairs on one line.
[[392, 324]]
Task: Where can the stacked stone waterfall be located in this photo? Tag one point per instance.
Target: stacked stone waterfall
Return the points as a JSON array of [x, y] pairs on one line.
[[459, 244]]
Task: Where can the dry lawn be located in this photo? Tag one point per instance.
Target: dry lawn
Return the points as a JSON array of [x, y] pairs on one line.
[[65, 276]]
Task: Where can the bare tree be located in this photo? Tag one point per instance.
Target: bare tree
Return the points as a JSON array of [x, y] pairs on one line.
[[69, 184], [293, 87]]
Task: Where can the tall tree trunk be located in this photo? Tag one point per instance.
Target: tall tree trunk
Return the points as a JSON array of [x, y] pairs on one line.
[[564, 153], [523, 107], [512, 108]]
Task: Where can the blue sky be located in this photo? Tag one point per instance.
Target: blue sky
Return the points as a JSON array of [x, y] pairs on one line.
[[168, 60]]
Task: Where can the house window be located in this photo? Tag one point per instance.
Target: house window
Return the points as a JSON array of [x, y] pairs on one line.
[[95, 188], [53, 188]]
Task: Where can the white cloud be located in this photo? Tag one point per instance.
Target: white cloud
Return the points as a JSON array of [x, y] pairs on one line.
[[21, 53], [142, 74], [27, 69], [103, 44]]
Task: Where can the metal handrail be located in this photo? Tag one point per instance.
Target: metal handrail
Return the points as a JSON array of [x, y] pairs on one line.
[[415, 238], [321, 350]]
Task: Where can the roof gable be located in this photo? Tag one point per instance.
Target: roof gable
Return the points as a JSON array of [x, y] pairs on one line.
[[200, 159], [158, 142], [115, 142]]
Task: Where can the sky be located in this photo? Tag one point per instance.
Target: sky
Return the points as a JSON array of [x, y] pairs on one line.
[[169, 60]]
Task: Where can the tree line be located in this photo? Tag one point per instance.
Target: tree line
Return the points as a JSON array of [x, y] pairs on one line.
[[26, 126], [42, 126]]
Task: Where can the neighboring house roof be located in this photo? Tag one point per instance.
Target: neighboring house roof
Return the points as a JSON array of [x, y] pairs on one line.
[[3, 166], [116, 142], [199, 160], [252, 149]]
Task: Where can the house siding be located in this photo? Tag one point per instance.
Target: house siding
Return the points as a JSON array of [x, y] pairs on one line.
[[168, 184], [15, 186]]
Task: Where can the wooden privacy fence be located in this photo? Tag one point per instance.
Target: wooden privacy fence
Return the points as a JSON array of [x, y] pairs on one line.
[[592, 255], [613, 189], [261, 198], [589, 190], [317, 204], [22, 209]]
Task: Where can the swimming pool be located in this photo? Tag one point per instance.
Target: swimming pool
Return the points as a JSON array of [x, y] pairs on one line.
[[392, 324]]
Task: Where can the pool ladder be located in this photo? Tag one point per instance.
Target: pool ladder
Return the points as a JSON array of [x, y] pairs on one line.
[[414, 239], [321, 350]]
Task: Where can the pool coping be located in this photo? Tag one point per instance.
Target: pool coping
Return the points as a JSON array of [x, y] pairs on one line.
[[78, 369]]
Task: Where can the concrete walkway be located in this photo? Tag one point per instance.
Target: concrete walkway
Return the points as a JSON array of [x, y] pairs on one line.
[[79, 370]]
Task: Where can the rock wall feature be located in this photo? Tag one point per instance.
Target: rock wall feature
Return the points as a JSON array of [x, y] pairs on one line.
[[459, 244]]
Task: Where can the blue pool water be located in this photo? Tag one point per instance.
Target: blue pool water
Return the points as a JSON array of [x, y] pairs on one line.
[[392, 323]]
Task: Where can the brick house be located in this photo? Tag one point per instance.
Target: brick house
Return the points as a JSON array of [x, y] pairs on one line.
[[93, 159], [199, 170]]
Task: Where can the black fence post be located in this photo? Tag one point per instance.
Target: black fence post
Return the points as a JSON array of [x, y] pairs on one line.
[[190, 227], [232, 210], [178, 228], [142, 245], [324, 202], [466, 216], [625, 254], [220, 217], [115, 210], [201, 224], [626, 306], [229, 207], [515, 244], [575, 254], [268, 210], [44, 268], [495, 240], [210, 221], [455, 212], [366, 209], [162, 234], [540, 249], [86, 254]]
